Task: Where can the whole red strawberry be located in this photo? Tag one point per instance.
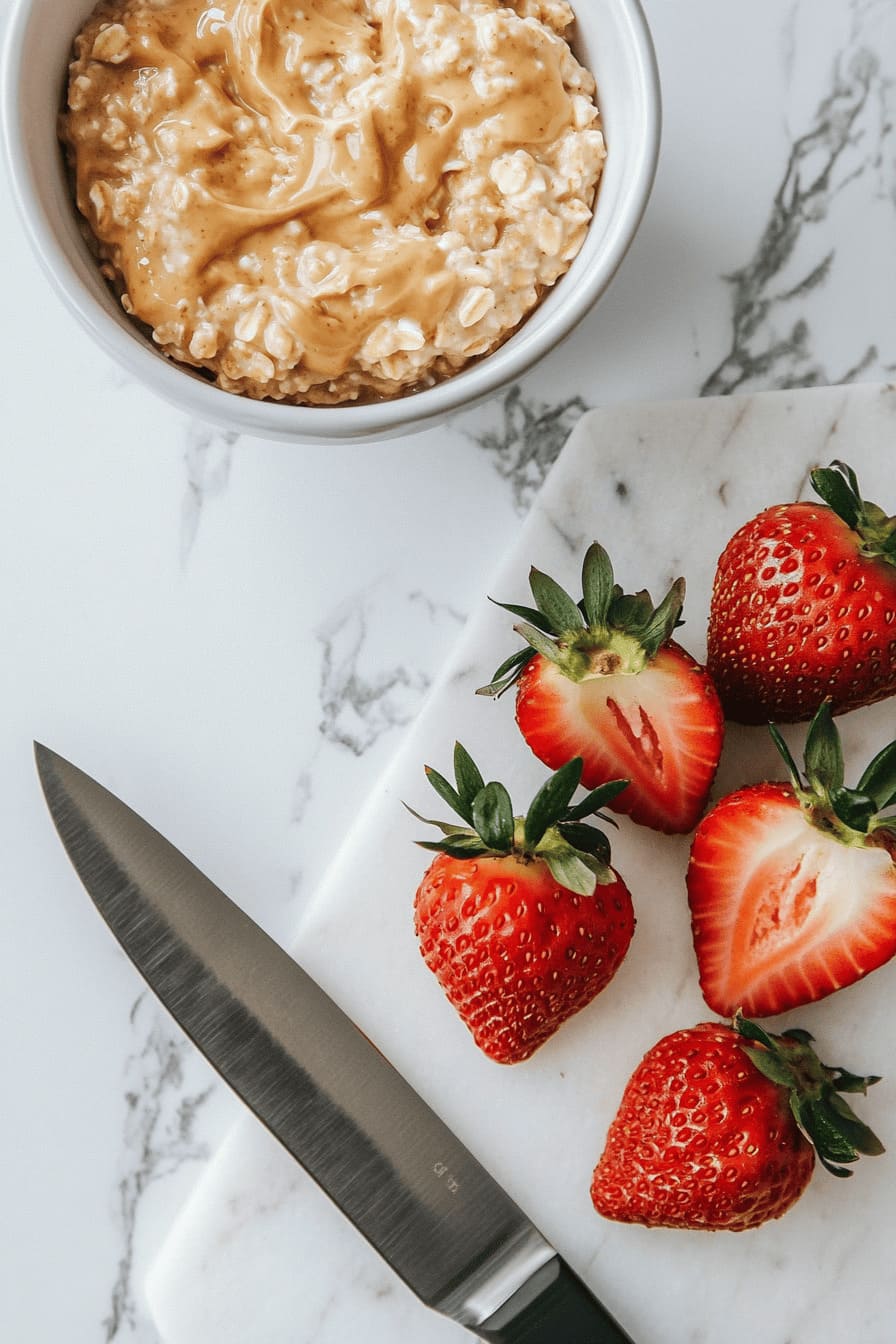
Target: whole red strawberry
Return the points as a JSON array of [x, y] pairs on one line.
[[604, 680], [804, 607], [521, 919], [719, 1127], [792, 887]]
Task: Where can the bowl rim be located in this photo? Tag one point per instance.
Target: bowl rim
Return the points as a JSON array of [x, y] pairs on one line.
[[470, 385]]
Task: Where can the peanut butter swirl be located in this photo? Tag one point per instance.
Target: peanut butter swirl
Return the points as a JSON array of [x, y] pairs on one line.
[[324, 199]]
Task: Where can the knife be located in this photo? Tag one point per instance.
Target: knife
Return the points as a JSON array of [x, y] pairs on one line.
[[311, 1076]]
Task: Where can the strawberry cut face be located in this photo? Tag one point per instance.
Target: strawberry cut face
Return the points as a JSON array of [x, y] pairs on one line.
[[782, 912], [660, 728]]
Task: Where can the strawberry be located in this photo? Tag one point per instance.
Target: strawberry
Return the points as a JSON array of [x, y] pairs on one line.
[[604, 680], [719, 1127], [792, 887], [521, 919], [804, 607]]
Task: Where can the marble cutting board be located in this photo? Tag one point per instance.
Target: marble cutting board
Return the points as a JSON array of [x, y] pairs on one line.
[[258, 1256]]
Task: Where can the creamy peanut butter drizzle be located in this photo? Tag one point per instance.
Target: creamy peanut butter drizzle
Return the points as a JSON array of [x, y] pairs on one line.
[[343, 178]]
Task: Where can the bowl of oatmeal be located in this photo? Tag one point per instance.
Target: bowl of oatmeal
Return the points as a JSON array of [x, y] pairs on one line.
[[330, 219]]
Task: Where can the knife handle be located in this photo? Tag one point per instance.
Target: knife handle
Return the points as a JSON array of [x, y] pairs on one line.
[[552, 1307]]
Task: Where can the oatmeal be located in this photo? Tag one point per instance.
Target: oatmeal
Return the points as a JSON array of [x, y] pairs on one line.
[[320, 201]]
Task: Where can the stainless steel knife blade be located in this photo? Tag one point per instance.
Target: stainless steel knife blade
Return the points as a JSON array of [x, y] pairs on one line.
[[312, 1077]]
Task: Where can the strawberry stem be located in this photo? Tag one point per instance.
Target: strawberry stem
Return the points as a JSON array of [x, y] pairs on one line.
[[838, 486], [848, 814], [553, 829], [606, 633], [814, 1092]]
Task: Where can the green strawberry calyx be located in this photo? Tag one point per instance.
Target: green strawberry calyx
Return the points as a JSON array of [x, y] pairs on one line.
[[814, 1093], [838, 486], [553, 829], [854, 816], [608, 632]]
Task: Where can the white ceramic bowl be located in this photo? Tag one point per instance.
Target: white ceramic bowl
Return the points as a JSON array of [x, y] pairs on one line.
[[612, 39]]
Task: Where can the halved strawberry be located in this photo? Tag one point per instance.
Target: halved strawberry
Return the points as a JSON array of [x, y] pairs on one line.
[[792, 887], [604, 680]]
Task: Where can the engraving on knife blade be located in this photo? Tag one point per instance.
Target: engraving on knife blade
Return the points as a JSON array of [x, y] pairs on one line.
[[451, 1182]]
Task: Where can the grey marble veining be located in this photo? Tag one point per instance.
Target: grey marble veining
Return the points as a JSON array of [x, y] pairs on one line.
[[841, 154], [525, 444], [358, 705], [159, 1137], [208, 457]]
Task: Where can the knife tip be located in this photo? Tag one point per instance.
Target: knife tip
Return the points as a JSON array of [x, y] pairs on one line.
[[42, 759], [47, 762], [42, 754]]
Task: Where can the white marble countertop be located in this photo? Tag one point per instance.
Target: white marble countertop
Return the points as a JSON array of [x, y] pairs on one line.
[[233, 634]]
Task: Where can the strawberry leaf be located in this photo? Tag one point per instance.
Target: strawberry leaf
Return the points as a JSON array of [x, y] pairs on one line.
[[586, 839], [631, 612], [829, 1166], [829, 1132], [752, 1031], [839, 488], [467, 774], [841, 495], [529, 614], [844, 1081], [798, 1034], [465, 846], [551, 801], [854, 809], [553, 602], [824, 796], [493, 817], [570, 870], [829, 1144], [771, 1064], [851, 478], [799, 1107], [826, 1120], [509, 671], [603, 873], [879, 780], [855, 1130], [824, 754], [597, 798], [597, 585], [444, 826], [540, 642], [664, 619], [449, 794], [796, 778]]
